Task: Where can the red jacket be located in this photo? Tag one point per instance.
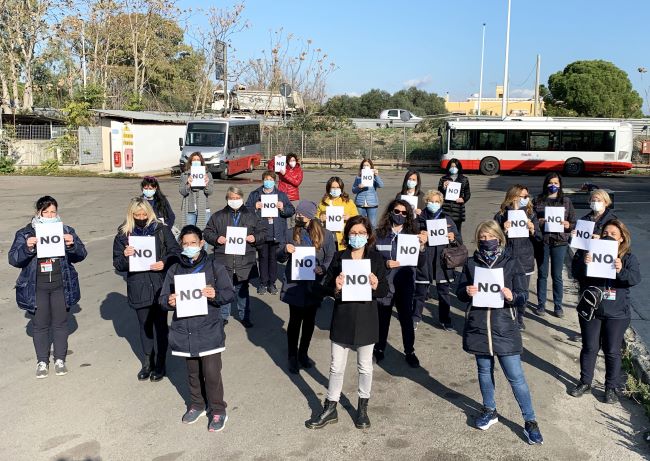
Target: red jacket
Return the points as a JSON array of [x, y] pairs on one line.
[[289, 181]]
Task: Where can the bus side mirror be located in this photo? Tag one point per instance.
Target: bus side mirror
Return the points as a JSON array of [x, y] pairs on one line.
[[439, 131], [180, 142]]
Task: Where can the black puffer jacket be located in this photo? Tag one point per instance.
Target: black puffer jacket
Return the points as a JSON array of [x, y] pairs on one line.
[[522, 248], [456, 211], [430, 268], [490, 331], [599, 224], [201, 334], [555, 238], [143, 288]]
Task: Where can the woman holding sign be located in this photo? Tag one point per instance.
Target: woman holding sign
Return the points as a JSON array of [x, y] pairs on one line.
[[455, 186], [493, 285], [45, 251], [607, 328], [518, 219], [290, 177], [365, 189], [300, 290], [342, 208], [199, 337], [556, 219], [152, 193], [356, 279], [144, 248], [195, 192], [412, 191]]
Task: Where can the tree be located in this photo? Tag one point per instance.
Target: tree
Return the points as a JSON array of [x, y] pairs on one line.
[[342, 106], [593, 89], [419, 102], [373, 102]]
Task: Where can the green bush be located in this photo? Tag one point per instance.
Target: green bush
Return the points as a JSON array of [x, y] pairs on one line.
[[7, 164], [50, 166]]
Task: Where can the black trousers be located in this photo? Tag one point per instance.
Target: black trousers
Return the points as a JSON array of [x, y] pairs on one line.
[[305, 317], [51, 316], [420, 298], [606, 334], [403, 301], [204, 375], [153, 319], [268, 262]]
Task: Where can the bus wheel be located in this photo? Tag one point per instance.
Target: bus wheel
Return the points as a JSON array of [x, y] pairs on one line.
[[490, 166], [574, 167], [224, 173]]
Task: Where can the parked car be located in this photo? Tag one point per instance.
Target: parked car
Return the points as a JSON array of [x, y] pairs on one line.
[[395, 114]]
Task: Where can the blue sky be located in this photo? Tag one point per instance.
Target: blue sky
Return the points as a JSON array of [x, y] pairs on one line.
[[436, 44]]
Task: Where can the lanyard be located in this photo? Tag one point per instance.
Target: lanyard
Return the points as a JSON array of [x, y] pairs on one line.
[[236, 217], [307, 240], [198, 268]]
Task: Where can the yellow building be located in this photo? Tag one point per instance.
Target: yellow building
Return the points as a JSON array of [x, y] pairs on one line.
[[492, 106]]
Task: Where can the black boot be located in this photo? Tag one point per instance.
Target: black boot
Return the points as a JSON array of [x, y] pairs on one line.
[[329, 415], [362, 421], [304, 360], [147, 366], [158, 372], [293, 365]]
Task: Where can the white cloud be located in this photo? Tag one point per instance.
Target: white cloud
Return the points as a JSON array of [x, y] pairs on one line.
[[352, 94], [418, 82], [522, 93]]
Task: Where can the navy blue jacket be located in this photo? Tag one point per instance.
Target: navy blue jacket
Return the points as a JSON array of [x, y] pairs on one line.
[[274, 232], [23, 258], [201, 334], [171, 217], [522, 248], [430, 267]]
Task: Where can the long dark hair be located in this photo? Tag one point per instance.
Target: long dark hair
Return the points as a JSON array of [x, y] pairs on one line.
[[315, 231], [406, 177], [161, 202], [45, 202], [188, 163], [344, 195], [293, 156], [353, 221], [547, 179], [385, 225], [368, 161], [458, 165]]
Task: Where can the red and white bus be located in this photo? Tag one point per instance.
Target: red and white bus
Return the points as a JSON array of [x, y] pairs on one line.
[[229, 145], [574, 147]]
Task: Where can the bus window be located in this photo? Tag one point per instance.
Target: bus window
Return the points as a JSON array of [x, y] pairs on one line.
[[460, 140], [604, 141], [544, 140], [517, 140], [492, 140], [576, 141], [205, 134]]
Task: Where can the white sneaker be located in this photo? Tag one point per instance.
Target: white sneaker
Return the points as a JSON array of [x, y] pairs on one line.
[[42, 370], [415, 325], [60, 368]]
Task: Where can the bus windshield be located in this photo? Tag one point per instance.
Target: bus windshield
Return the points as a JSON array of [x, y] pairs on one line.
[[206, 134]]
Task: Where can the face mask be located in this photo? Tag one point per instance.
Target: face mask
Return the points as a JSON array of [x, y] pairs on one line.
[[269, 184], [597, 206], [433, 207], [523, 202], [335, 192], [358, 241], [190, 252], [44, 220], [552, 188], [301, 223], [148, 192], [397, 219], [411, 184], [488, 245], [196, 163], [608, 237], [235, 204], [140, 222], [292, 164], [453, 170]]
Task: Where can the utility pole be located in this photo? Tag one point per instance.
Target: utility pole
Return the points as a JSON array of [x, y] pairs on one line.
[[536, 110], [225, 81], [504, 102], [480, 85], [83, 52]]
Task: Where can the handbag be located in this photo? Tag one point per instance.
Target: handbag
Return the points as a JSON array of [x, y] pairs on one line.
[[589, 302], [454, 255]]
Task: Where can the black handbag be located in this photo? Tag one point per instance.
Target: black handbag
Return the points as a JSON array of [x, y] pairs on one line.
[[454, 256], [589, 302]]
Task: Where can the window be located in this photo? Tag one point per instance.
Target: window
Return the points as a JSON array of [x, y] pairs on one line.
[[392, 113], [243, 135], [205, 134], [604, 141], [460, 139], [517, 140], [491, 140], [544, 140], [576, 141]]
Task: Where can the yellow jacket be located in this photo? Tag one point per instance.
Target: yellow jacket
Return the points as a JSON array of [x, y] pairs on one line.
[[349, 210]]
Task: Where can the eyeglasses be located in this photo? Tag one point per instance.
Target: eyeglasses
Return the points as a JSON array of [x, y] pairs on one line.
[[362, 234], [402, 212]]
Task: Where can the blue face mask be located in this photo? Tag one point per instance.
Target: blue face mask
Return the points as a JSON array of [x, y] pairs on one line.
[[190, 252], [552, 188], [523, 202], [453, 170], [196, 163], [335, 192], [411, 184], [358, 241], [149, 193], [44, 220], [433, 207], [269, 184]]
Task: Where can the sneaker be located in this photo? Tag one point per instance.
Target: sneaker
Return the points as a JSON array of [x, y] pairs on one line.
[[540, 311], [611, 396], [247, 323], [521, 326], [486, 419], [379, 355], [534, 436], [272, 289], [305, 361], [412, 360], [447, 326], [60, 368], [415, 325], [192, 415], [217, 423], [559, 313], [261, 290], [42, 370], [580, 389]]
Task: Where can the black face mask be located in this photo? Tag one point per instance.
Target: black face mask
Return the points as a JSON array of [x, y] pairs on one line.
[[301, 223], [607, 237], [140, 222], [398, 219]]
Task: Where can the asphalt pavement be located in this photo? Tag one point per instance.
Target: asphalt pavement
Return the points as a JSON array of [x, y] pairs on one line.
[[100, 411]]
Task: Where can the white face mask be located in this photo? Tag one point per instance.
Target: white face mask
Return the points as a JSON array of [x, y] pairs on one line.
[[292, 164], [235, 204], [597, 206]]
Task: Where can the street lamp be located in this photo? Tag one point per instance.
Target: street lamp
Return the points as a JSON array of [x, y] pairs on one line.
[[480, 85], [504, 102]]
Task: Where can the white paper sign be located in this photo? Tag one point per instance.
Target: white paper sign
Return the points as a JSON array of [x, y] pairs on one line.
[[489, 283], [553, 217], [269, 205], [49, 240], [453, 191], [189, 299], [303, 263], [408, 249], [198, 176], [584, 231], [280, 163], [412, 200], [518, 224], [368, 177], [437, 232], [603, 258], [356, 283], [334, 218], [145, 253], [236, 240]]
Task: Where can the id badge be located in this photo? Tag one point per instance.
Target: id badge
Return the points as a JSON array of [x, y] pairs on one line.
[[270, 220], [46, 266], [610, 295]]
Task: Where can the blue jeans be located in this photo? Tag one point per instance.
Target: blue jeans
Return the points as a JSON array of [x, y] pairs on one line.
[[370, 213], [556, 254], [243, 301], [191, 217], [511, 366]]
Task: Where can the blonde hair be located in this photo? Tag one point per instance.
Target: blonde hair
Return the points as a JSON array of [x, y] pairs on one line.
[[491, 227], [601, 194], [512, 197], [136, 204], [626, 244], [434, 193]]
